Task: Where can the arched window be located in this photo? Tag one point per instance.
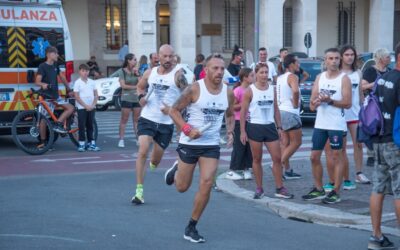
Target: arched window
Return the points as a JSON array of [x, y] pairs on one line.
[[287, 26], [116, 25], [346, 23], [234, 23]]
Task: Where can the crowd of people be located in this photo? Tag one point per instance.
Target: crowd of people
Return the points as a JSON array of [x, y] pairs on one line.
[[263, 108]]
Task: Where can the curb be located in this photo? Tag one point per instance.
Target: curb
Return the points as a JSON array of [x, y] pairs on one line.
[[307, 213]]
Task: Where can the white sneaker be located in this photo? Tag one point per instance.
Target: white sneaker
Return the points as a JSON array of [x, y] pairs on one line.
[[121, 144], [222, 141], [361, 178], [247, 175], [232, 175]]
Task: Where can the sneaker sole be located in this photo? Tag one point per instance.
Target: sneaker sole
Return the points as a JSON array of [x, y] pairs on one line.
[[192, 240], [168, 172], [284, 196], [374, 247], [137, 201], [316, 198], [331, 202], [349, 188], [233, 178], [292, 178], [361, 182]]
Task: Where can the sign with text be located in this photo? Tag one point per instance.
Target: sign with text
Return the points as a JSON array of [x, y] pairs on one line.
[[30, 16], [211, 29]]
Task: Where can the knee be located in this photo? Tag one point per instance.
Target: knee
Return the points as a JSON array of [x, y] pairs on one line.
[[257, 159], [181, 187], [276, 159], [315, 159], [206, 185]]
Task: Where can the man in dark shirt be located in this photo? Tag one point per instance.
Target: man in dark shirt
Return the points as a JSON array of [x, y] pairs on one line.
[[235, 65], [199, 66], [387, 167], [47, 78]]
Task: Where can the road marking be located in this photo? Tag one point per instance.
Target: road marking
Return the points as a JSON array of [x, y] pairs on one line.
[[96, 162], [42, 237], [66, 159]]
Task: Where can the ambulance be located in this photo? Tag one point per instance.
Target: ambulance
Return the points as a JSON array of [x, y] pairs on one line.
[[26, 30]]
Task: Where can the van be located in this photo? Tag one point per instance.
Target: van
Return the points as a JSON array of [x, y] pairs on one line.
[[26, 30]]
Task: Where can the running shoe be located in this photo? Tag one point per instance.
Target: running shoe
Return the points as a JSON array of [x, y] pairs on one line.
[[361, 178], [290, 175], [192, 235], [232, 175], [152, 166], [384, 243], [283, 193], [93, 147], [331, 198], [170, 174], [59, 128], [138, 198], [247, 174], [258, 194], [328, 187], [314, 194], [121, 144], [81, 148], [349, 185]]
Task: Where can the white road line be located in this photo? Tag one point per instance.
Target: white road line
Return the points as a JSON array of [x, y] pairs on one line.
[[65, 159], [51, 237]]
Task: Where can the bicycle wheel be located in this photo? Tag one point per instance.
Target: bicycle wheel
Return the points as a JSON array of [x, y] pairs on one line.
[[25, 132], [73, 130]]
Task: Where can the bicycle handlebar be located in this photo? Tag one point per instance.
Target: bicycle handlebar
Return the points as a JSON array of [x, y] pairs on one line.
[[39, 92]]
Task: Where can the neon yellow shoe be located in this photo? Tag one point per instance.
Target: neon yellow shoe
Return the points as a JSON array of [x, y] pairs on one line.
[[138, 198], [152, 166]]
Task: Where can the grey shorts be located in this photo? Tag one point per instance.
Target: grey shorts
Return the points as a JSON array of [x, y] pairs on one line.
[[386, 175], [290, 121]]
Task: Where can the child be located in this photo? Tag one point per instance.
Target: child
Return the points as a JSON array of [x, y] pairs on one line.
[[86, 98]]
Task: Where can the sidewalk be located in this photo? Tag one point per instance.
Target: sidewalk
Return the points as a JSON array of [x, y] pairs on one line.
[[352, 211]]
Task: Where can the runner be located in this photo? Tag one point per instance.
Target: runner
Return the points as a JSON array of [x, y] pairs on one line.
[[331, 94], [154, 123], [262, 58], [264, 121], [206, 102], [288, 93]]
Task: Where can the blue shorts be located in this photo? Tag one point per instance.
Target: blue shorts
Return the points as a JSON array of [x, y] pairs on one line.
[[320, 136]]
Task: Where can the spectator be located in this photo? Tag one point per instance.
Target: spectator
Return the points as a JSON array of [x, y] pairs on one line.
[[94, 70], [262, 58], [154, 60], [123, 51], [199, 66], [386, 176], [235, 65], [143, 65]]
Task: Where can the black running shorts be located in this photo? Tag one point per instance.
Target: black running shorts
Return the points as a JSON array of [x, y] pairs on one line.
[[161, 133], [190, 154]]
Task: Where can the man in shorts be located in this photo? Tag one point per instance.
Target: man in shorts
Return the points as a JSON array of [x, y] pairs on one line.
[[331, 94], [206, 102], [386, 176]]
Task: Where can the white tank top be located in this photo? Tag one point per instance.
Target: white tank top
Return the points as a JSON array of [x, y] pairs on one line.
[[328, 116], [164, 90], [209, 108], [285, 94], [351, 114], [261, 109]]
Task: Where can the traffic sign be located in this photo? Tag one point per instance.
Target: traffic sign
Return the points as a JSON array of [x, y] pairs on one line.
[[307, 40]]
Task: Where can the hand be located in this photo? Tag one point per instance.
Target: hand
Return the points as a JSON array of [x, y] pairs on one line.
[[142, 102], [194, 134], [229, 138], [243, 138], [45, 86], [165, 108], [324, 97], [316, 102]]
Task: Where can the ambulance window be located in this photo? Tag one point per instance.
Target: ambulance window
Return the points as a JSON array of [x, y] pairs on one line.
[[3, 48], [38, 39]]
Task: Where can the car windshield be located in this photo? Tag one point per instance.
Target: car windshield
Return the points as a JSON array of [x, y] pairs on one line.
[[313, 68]]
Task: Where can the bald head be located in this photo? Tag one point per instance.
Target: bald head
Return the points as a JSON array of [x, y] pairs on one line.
[[166, 54]]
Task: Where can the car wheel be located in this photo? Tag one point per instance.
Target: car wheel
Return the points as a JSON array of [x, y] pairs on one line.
[[117, 99], [101, 107]]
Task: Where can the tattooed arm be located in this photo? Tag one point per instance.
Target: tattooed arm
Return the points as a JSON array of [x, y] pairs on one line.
[[229, 118]]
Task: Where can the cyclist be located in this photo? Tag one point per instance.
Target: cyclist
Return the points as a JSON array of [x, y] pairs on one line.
[[47, 78]]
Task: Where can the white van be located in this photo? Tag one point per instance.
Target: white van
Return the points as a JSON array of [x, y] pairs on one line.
[[26, 30]]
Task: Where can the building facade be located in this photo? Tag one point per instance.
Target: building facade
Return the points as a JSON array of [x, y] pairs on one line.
[[100, 27]]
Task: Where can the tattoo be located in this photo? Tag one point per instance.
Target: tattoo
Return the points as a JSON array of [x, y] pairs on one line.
[[181, 81], [184, 100]]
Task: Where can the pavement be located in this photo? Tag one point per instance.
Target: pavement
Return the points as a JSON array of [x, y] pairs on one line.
[[351, 212]]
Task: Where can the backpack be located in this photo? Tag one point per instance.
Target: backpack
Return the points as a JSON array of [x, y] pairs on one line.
[[370, 116], [396, 127]]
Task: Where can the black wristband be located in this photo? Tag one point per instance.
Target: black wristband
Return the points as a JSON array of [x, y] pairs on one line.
[[279, 128], [141, 96], [330, 102]]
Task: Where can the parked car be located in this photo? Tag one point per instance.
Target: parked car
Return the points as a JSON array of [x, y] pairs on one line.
[[313, 67]]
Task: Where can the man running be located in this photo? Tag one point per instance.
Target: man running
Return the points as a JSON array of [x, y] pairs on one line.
[[154, 123], [331, 94], [288, 95], [205, 101]]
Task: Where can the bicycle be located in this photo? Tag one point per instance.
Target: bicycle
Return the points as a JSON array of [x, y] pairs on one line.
[[26, 125]]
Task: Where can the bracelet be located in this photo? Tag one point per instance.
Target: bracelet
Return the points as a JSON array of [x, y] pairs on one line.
[[186, 129], [141, 96], [330, 102], [279, 128]]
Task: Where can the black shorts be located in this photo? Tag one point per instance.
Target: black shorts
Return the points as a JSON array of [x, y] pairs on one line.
[[320, 136], [161, 133], [262, 132], [190, 154], [130, 105]]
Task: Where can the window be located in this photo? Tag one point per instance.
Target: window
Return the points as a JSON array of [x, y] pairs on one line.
[[234, 23], [287, 26], [116, 25], [346, 23]]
